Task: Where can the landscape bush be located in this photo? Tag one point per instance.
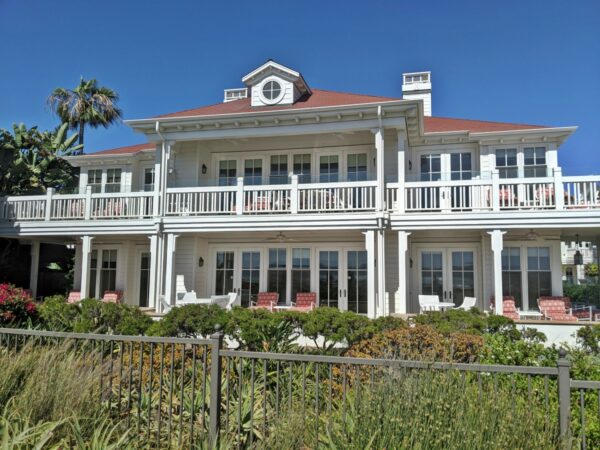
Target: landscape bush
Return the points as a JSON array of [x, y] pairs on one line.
[[16, 306], [589, 339], [92, 316], [583, 293]]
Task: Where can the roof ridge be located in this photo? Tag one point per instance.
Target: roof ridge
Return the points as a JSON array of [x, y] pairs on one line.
[[354, 93], [486, 121]]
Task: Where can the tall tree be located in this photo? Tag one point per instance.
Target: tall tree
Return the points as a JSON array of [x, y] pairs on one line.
[[87, 104]]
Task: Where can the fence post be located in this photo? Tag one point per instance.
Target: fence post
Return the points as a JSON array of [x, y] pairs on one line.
[[215, 384], [564, 394]]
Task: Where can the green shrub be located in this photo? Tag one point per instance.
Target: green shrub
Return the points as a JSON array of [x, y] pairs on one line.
[[386, 323], [58, 315], [455, 320], [589, 339], [583, 293], [335, 327], [190, 321], [261, 330], [16, 306]]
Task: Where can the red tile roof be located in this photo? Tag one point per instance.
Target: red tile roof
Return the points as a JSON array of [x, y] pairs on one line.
[[130, 149], [321, 98], [441, 124], [318, 98]]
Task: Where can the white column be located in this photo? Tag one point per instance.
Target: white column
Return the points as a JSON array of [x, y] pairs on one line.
[[164, 175], [370, 247], [34, 268], [401, 294], [379, 161], [152, 275], [169, 286], [86, 253], [497, 246], [382, 308], [401, 172], [158, 156]]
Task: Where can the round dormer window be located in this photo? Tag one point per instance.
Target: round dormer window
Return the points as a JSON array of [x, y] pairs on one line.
[[271, 90]]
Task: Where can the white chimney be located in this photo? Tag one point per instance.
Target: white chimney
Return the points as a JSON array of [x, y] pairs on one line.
[[417, 86]]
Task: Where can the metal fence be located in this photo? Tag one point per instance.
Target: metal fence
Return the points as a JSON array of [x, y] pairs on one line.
[[191, 390]]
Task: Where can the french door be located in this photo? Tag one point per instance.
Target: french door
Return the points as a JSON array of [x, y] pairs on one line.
[[144, 287], [342, 279], [449, 273], [453, 166]]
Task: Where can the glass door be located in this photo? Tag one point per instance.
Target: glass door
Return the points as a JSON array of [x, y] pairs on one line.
[[356, 267], [463, 276], [224, 272], [144, 278], [250, 276], [329, 168], [460, 169], [431, 170], [329, 266], [277, 273], [432, 273], [253, 171]]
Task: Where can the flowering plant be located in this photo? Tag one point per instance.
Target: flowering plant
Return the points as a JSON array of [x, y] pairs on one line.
[[16, 305]]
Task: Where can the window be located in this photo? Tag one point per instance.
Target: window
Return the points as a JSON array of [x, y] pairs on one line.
[[277, 273], [357, 167], [149, 179], [302, 167], [271, 90], [95, 180], [224, 273], [431, 167], [93, 273], [113, 180], [460, 166], [227, 172], [300, 271], [329, 168], [279, 169], [538, 273], [357, 281], [253, 171], [506, 162], [511, 274], [535, 162], [108, 271]]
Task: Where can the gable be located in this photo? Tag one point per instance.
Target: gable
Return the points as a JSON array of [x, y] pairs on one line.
[[274, 84]]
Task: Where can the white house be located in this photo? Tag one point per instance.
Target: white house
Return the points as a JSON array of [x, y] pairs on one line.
[[367, 201]]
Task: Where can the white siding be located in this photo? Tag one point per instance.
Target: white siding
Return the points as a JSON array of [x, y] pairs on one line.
[[185, 260]]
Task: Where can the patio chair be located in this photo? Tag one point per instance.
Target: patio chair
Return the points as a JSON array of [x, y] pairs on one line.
[[112, 296], [220, 300], [581, 311], [181, 293], [265, 300], [305, 301], [509, 308], [468, 303], [74, 297], [234, 300], [554, 308], [429, 303]]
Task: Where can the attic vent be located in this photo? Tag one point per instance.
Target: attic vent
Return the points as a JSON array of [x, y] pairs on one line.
[[235, 94]]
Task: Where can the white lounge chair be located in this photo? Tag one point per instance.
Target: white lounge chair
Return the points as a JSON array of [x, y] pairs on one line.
[[468, 303], [181, 293], [429, 303], [234, 300]]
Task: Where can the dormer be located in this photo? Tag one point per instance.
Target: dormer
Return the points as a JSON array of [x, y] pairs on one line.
[[274, 84]]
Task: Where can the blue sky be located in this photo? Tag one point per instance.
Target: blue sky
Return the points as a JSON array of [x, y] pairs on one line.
[[518, 61]]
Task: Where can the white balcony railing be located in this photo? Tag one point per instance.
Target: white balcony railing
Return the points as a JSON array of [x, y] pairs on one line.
[[453, 196], [494, 194]]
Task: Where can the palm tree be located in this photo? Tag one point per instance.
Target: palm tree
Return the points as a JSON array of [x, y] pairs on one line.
[[87, 104]]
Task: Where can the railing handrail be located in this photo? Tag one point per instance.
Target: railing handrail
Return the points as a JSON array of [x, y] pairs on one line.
[[336, 184], [181, 190], [116, 194], [449, 183]]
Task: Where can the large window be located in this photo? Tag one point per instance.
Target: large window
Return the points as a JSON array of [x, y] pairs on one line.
[[279, 169], [95, 180], [506, 162], [227, 172], [224, 273], [277, 273], [357, 167], [302, 167], [103, 272], [113, 180], [535, 162], [511, 274], [329, 168], [149, 179], [300, 271], [253, 171], [539, 278]]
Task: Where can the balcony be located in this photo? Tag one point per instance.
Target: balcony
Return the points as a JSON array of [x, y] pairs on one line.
[[239, 199], [494, 194]]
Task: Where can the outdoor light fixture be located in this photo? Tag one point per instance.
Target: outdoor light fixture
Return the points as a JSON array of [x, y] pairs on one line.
[[201, 262], [203, 169]]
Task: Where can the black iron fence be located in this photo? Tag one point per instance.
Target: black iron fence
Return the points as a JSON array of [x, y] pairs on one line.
[[186, 391]]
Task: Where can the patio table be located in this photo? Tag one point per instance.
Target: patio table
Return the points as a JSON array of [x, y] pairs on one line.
[[530, 315], [445, 305]]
